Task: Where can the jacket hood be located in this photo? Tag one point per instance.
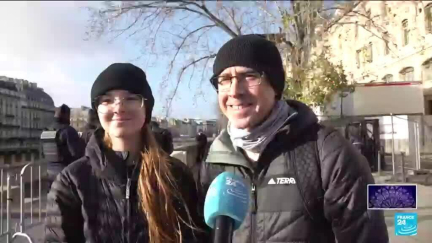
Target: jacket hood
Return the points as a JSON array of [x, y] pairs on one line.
[[304, 118], [222, 148]]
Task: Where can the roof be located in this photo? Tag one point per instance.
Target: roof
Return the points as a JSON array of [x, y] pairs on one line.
[[8, 85], [38, 95], [30, 90]]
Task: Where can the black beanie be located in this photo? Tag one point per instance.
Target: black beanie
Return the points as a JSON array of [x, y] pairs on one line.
[[124, 76], [256, 52]]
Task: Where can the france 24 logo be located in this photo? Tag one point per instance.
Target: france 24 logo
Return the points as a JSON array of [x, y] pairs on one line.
[[406, 224]]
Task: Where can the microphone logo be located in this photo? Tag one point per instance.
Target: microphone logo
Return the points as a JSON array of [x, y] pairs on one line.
[[236, 189], [232, 182]]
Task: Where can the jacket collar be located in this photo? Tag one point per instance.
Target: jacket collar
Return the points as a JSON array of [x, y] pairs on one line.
[[105, 162], [222, 150]]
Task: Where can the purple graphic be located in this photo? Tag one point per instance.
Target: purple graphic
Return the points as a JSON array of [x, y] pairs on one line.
[[392, 196]]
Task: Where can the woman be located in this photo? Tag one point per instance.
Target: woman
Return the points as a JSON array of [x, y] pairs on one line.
[[125, 189]]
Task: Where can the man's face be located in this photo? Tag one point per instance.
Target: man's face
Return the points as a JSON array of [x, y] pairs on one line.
[[245, 106]]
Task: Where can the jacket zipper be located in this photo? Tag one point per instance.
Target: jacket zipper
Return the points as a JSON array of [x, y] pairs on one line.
[[253, 213], [128, 201], [127, 196]]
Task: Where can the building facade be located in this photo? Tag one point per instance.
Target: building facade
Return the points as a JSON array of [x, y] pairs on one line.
[[187, 127], [79, 118], [389, 57], [390, 61], [25, 110]]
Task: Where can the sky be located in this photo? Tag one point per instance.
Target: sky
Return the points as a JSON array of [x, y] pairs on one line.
[[43, 42]]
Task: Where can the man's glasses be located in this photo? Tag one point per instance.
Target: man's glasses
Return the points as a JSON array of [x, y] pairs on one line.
[[106, 103], [249, 79]]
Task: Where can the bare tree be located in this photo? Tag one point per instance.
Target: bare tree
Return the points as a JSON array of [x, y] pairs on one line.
[[187, 34], [311, 77], [184, 34]]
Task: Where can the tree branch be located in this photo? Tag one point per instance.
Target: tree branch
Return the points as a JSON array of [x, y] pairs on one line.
[[171, 65], [220, 23], [349, 10], [183, 69], [232, 17], [122, 31]]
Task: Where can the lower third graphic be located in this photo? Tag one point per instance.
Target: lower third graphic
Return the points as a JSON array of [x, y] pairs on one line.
[[406, 224]]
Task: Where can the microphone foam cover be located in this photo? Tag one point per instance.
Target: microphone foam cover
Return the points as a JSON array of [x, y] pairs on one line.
[[227, 195]]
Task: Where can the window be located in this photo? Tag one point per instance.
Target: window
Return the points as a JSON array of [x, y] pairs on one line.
[[427, 70], [383, 9], [430, 107], [358, 58], [407, 74], [340, 42], [356, 29], [428, 18], [369, 53], [386, 48], [369, 20], [388, 78], [405, 31]]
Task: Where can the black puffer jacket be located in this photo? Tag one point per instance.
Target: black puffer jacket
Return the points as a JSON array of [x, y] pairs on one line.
[[308, 186], [70, 146], [87, 202]]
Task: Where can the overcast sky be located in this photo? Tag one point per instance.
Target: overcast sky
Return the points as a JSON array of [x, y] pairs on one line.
[[43, 42]]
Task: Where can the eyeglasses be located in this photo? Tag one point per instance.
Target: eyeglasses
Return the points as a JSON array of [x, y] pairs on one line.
[[106, 103], [249, 79]]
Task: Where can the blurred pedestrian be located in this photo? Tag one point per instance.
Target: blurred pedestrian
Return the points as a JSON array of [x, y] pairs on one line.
[[69, 146], [163, 137], [201, 140]]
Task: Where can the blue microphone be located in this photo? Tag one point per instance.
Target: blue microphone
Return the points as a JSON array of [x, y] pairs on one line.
[[226, 205]]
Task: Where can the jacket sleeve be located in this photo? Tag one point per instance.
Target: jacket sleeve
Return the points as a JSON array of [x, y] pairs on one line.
[[64, 222], [345, 175]]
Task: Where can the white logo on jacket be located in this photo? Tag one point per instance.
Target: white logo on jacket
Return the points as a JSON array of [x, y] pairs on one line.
[[282, 181]]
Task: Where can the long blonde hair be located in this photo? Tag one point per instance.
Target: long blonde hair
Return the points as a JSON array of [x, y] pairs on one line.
[[158, 190]]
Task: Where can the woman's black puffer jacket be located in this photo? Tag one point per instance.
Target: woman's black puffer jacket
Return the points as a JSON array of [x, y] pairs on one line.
[[88, 201]]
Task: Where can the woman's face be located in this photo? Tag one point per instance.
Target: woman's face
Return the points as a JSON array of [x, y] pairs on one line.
[[121, 113]]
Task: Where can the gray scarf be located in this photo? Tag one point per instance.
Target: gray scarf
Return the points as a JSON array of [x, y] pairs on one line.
[[257, 138]]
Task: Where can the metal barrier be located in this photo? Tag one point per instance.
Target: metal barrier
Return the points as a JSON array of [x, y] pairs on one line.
[[13, 185], [12, 196]]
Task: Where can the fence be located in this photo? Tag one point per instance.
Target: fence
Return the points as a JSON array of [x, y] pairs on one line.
[[400, 138], [21, 190], [413, 136], [410, 135], [22, 182]]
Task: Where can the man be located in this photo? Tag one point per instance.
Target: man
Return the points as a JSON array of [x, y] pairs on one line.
[[163, 137], [69, 145], [92, 124], [201, 140], [308, 184]]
